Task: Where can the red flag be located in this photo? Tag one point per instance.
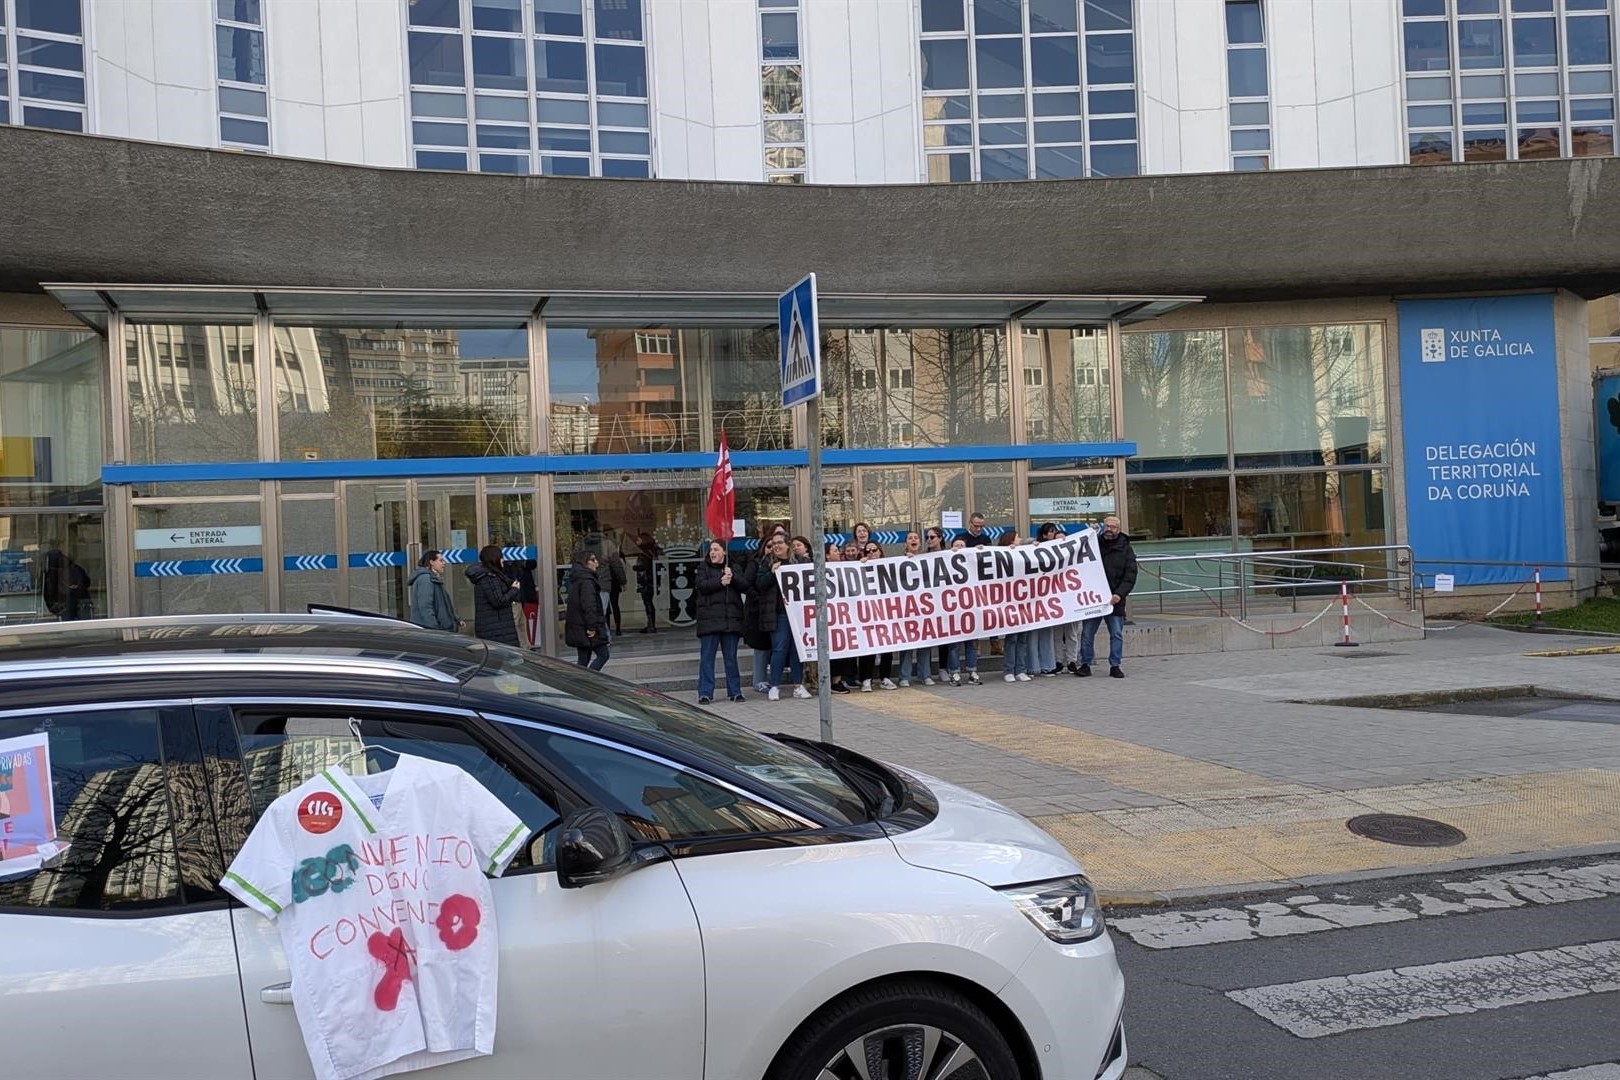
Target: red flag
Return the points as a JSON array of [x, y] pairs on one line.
[[721, 510]]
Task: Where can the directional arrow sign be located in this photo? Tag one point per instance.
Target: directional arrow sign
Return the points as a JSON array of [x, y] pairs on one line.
[[223, 536]]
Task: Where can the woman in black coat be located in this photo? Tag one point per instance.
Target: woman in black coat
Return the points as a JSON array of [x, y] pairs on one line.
[[719, 609], [494, 593], [584, 624]]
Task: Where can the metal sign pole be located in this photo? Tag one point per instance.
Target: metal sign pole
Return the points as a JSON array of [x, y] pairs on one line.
[[798, 331], [818, 542]]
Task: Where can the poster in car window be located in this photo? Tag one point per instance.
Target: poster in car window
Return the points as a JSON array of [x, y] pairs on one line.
[[27, 812]]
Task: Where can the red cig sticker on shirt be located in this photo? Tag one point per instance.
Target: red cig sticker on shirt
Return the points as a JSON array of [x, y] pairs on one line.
[[320, 812]]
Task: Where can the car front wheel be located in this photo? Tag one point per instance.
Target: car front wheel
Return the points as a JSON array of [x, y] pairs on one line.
[[898, 1031]]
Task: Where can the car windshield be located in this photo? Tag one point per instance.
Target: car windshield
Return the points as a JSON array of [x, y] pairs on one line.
[[771, 764]]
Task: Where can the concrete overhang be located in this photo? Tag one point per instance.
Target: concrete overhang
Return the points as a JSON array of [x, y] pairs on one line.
[[79, 208]]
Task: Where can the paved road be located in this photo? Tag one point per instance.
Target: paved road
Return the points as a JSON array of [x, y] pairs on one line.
[[1218, 771], [1483, 975]]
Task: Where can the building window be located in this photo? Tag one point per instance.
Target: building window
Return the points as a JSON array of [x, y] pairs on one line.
[[1248, 86], [1028, 89], [42, 64], [1495, 80], [781, 76], [557, 87], [659, 343], [244, 115]]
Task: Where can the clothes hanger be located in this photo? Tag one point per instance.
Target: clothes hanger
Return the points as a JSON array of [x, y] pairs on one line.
[[354, 728]]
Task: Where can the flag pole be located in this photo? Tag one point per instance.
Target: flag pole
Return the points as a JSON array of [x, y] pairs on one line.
[[818, 543]]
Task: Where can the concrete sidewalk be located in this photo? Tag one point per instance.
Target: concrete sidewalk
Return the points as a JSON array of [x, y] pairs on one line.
[[1221, 772]]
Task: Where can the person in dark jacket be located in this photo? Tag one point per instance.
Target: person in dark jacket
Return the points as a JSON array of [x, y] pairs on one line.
[[494, 593], [770, 611], [719, 608], [1119, 563], [647, 555], [585, 625], [431, 606], [757, 635], [522, 572], [66, 586]]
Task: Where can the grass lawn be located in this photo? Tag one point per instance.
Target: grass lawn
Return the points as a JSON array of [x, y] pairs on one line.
[[1599, 613]]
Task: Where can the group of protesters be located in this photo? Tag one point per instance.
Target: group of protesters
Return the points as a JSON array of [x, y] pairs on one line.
[[739, 600]]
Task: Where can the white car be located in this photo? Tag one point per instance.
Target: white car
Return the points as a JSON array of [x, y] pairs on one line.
[[699, 902]]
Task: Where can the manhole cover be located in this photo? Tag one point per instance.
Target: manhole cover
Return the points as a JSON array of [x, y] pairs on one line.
[[1405, 830]]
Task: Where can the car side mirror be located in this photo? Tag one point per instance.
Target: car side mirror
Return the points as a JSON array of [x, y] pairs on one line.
[[592, 846]]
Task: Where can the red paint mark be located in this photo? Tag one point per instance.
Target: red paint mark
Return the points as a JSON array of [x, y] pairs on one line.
[[458, 921], [396, 957]]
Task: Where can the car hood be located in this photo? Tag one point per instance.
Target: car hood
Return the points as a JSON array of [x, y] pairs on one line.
[[981, 839]]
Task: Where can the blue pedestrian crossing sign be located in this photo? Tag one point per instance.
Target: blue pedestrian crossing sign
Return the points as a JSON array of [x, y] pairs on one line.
[[799, 343]]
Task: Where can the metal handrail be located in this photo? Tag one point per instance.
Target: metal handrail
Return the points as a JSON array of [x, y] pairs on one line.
[[1398, 578]]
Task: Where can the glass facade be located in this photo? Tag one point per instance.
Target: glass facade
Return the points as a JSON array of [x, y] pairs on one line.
[[1068, 386], [330, 455], [52, 561], [1267, 438], [193, 392], [1604, 318], [1497, 80], [557, 87], [781, 77], [42, 64], [239, 53], [367, 393], [916, 387], [1028, 89]]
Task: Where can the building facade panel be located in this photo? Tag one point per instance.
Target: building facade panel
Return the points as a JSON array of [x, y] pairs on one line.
[[900, 90]]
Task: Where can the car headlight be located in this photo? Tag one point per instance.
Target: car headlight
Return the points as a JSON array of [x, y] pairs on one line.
[[1065, 910]]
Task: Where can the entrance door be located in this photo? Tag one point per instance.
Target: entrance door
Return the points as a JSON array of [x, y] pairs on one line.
[[392, 523]]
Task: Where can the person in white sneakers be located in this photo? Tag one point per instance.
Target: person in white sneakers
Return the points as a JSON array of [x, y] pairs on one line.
[[1017, 648], [880, 665], [961, 653], [784, 654], [916, 663]]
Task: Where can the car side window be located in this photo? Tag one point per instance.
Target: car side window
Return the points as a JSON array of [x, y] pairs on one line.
[[658, 800], [284, 746], [85, 811]]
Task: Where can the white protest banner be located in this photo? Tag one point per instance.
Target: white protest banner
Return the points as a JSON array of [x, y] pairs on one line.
[[926, 600]]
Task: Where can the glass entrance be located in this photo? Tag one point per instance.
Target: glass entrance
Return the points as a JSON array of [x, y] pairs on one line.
[[648, 530], [390, 524], [51, 567], [648, 535]]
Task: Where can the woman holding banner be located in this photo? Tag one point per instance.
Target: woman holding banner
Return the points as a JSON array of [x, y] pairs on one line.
[[757, 635], [770, 611], [719, 610], [1015, 647], [881, 664], [843, 671], [966, 652], [915, 662], [1043, 660]]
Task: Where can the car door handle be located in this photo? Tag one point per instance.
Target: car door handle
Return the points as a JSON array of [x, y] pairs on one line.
[[279, 994]]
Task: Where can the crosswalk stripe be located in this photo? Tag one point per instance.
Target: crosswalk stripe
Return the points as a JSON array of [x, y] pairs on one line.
[[1608, 1070], [1316, 1007], [1309, 913]]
